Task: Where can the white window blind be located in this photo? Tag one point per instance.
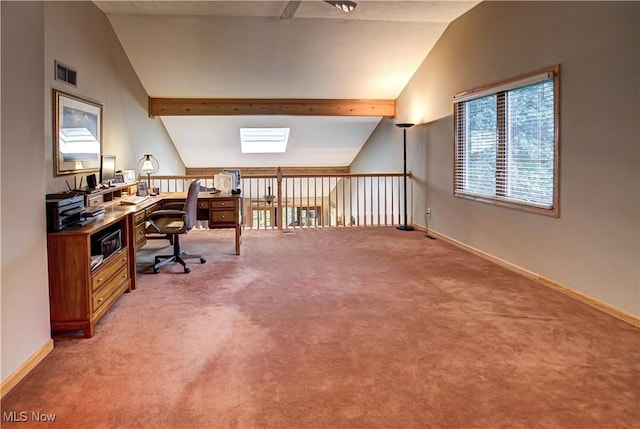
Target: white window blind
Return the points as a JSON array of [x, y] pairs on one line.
[[506, 143]]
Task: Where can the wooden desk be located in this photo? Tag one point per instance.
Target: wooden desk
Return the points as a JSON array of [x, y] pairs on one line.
[[136, 218], [220, 210], [80, 296]]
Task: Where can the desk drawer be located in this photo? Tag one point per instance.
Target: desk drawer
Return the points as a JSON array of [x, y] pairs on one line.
[[223, 204], [139, 217], [151, 209], [203, 204], [140, 235], [98, 200], [102, 295], [105, 273], [223, 216]]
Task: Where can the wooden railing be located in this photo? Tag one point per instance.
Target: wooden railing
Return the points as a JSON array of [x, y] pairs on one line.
[[283, 201]]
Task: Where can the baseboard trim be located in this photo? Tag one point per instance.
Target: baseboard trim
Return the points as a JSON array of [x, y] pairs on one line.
[[24, 369], [585, 299]]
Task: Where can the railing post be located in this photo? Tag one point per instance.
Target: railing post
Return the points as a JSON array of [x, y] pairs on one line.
[[279, 216]]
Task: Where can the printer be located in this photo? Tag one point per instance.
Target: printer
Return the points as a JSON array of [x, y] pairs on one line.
[[64, 210]]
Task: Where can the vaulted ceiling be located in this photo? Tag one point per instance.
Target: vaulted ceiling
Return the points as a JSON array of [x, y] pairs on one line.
[[244, 49]]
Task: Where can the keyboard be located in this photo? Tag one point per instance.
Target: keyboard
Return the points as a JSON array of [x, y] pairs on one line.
[[134, 200]]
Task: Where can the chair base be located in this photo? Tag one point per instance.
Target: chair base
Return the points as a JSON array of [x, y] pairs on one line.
[[177, 256]]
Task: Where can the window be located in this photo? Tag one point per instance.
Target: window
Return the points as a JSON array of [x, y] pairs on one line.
[[264, 140], [506, 143]]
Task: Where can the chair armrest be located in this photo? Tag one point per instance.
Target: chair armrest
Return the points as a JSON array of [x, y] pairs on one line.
[[168, 221], [173, 206], [167, 213]]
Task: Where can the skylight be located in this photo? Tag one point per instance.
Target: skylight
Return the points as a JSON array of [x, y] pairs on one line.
[[264, 140]]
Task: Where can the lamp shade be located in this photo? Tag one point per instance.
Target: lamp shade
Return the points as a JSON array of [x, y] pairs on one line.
[[404, 125], [343, 5], [148, 165]]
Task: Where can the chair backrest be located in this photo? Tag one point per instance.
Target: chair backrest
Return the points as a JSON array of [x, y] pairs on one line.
[[191, 204]]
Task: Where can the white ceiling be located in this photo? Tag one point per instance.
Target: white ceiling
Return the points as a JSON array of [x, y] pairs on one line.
[[242, 49]]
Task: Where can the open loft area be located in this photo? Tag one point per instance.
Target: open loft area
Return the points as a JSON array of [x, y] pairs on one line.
[[467, 163]]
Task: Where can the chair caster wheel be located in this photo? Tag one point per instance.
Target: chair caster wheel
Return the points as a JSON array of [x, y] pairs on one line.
[[187, 269], [202, 260], [156, 271]]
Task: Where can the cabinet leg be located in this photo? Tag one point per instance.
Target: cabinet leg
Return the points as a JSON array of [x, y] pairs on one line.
[[88, 330]]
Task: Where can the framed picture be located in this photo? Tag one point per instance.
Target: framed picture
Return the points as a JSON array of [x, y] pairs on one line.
[[77, 134], [223, 182], [142, 189], [129, 176], [119, 178]]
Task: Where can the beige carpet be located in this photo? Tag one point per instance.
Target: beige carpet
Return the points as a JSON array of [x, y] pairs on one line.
[[341, 328]]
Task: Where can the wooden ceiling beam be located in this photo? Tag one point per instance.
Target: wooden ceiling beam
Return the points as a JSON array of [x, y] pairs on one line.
[[245, 106]]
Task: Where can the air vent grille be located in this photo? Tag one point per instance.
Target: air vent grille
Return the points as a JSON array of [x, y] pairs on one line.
[[66, 74]]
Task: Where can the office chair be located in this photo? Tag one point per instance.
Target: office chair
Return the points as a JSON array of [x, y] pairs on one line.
[[174, 223]]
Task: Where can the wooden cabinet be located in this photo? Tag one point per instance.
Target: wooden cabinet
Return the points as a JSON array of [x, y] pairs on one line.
[[104, 196], [220, 210], [225, 213], [203, 209], [138, 230], [140, 225], [78, 295]]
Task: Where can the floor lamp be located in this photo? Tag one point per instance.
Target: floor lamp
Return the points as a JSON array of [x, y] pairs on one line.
[[404, 127]]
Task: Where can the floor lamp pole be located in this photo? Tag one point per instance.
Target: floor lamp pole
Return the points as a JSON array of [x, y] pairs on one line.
[[406, 226]]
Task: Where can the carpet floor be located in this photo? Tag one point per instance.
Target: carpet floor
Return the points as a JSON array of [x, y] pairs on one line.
[[340, 328]]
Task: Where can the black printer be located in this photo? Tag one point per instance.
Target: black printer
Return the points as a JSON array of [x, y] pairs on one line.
[[64, 210]]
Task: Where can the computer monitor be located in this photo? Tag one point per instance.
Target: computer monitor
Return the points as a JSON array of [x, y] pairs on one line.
[[107, 169]]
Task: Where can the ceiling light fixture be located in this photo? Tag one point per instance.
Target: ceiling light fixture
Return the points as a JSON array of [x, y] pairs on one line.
[[345, 6]]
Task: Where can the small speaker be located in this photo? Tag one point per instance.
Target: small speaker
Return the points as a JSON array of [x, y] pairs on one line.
[[91, 181]]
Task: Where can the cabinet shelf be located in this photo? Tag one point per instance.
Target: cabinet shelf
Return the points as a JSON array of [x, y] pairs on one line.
[[111, 195], [80, 296]]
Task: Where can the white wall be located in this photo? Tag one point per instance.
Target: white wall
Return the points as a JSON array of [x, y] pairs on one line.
[[34, 34], [594, 247], [24, 287], [79, 35]]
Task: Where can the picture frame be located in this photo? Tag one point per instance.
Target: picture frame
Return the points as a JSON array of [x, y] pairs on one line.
[[223, 182], [77, 134], [129, 176], [142, 189], [119, 178]]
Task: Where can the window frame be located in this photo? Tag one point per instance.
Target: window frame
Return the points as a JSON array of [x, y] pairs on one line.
[[499, 89]]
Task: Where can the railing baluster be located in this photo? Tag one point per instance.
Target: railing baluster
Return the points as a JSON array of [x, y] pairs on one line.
[[322, 221], [378, 205], [344, 206], [378, 199]]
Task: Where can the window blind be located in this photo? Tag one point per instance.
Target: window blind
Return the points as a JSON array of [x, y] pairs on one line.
[[506, 143]]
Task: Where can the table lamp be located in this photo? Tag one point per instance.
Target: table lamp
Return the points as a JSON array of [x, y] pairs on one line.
[[148, 165]]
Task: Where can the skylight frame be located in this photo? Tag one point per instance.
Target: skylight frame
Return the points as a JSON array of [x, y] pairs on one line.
[[264, 139]]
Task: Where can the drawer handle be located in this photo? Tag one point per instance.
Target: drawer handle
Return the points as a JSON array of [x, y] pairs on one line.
[[100, 299], [124, 277], [222, 204], [100, 280], [222, 216], [141, 232], [124, 259]]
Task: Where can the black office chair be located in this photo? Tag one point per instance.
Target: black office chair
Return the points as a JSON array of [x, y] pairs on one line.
[[174, 223]]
